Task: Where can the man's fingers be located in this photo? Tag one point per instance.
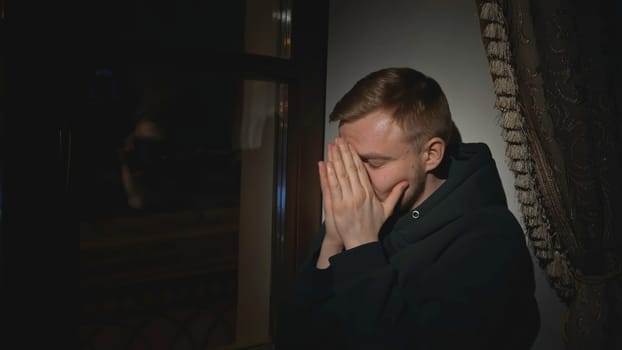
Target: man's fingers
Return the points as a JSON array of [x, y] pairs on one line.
[[348, 155], [325, 187], [390, 202], [333, 184], [362, 174], [340, 170]]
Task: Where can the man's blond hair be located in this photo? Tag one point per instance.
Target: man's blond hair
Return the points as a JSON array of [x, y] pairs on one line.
[[415, 101]]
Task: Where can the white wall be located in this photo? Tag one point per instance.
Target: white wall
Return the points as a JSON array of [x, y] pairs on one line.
[[440, 38]]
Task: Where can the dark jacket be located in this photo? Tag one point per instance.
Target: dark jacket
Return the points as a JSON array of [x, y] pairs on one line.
[[453, 273]]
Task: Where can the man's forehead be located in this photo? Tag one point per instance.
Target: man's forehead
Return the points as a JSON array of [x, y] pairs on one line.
[[373, 148], [373, 127]]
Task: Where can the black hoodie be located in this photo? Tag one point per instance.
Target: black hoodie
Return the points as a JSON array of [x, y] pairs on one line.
[[453, 273]]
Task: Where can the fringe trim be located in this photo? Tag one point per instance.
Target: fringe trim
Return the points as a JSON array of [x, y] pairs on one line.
[[498, 49], [523, 181], [499, 67], [539, 234], [491, 12], [511, 120], [514, 136], [517, 151], [505, 86], [495, 31], [506, 103]]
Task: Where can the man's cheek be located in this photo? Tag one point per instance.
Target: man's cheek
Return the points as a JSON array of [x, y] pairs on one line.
[[380, 193], [374, 184]]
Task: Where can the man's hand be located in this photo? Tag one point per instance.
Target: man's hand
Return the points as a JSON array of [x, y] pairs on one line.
[[354, 210], [332, 243]]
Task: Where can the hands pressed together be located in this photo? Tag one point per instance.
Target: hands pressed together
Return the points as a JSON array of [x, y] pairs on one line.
[[353, 213]]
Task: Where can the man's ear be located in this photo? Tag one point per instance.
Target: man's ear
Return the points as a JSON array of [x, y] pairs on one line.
[[433, 153]]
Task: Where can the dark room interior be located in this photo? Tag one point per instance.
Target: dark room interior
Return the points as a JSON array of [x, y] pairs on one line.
[[159, 163]]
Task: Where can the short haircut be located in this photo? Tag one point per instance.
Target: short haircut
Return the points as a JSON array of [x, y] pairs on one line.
[[415, 101]]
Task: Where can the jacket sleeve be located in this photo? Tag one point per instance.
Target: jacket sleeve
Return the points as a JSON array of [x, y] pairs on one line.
[[303, 319]]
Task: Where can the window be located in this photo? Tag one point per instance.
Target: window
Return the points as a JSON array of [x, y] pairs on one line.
[[193, 171]]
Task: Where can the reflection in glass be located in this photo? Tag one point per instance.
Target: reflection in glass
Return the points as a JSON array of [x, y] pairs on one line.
[[268, 28], [175, 194], [257, 141]]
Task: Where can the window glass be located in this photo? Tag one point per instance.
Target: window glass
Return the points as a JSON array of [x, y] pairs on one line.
[[176, 195]]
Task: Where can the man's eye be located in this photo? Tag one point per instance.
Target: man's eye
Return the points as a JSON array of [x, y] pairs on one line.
[[374, 164]]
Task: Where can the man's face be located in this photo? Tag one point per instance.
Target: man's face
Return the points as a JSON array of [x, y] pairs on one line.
[[388, 157]]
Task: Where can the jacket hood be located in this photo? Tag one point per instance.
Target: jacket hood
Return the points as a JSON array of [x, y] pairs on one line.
[[472, 183]]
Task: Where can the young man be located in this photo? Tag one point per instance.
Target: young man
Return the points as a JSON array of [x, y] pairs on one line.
[[418, 249]]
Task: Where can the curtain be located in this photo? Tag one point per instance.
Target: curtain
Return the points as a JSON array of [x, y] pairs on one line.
[[555, 67]]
